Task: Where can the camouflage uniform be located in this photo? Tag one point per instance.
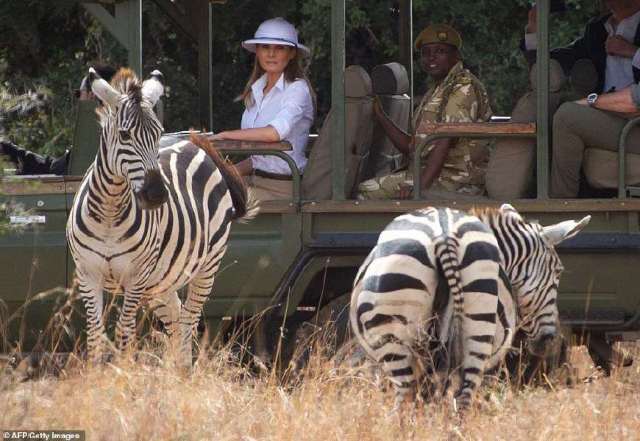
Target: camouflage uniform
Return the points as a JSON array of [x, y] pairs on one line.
[[460, 97]]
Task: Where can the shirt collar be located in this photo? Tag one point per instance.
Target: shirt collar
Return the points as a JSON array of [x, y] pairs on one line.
[[258, 86], [611, 25], [455, 70]]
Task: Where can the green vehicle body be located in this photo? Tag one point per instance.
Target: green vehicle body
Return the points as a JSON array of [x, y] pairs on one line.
[[297, 256]]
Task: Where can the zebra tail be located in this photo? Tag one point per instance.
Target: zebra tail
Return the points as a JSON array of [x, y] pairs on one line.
[[446, 253], [245, 205]]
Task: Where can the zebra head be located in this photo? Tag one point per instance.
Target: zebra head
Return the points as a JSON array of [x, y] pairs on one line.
[[131, 133], [534, 268]]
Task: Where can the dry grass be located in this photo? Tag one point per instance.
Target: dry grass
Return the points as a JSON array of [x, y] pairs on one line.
[[221, 400]]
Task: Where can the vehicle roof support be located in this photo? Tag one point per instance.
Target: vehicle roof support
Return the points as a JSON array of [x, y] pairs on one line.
[[193, 17], [405, 34], [201, 16], [542, 99], [337, 99], [125, 26]]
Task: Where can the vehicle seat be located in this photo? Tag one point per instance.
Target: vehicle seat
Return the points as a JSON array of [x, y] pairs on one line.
[[316, 181], [510, 172], [86, 138], [391, 84], [601, 168]]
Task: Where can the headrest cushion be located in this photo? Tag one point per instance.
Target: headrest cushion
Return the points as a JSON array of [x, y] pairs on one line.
[[390, 79], [557, 77], [357, 83], [584, 77]]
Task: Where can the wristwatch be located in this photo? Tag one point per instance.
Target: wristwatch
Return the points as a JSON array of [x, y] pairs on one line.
[[591, 99]]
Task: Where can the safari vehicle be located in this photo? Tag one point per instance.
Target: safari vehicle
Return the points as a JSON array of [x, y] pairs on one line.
[[296, 261]]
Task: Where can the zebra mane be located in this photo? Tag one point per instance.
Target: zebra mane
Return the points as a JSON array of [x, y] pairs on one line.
[[486, 214], [126, 82]]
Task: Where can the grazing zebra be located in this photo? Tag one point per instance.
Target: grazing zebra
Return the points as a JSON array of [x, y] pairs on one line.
[[146, 222], [392, 303]]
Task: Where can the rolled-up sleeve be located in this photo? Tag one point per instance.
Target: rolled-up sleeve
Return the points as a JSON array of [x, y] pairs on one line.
[[531, 41], [296, 102]]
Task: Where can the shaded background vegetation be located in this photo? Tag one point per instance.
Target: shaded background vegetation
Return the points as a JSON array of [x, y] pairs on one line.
[[46, 46]]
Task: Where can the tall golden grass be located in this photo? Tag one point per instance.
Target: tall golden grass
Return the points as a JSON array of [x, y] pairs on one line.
[[142, 396]]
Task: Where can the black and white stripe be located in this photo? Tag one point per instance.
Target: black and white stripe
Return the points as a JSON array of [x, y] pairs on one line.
[[484, 257], [144, 222]]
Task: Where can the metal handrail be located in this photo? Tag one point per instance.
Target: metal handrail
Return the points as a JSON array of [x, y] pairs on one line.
[[295, 173], [429, 138], [277, 149], [622, 148], [247, 148]]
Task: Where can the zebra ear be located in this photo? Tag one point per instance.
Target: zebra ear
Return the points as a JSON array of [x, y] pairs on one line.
[[152, 89], [102, 89], [564, 230]]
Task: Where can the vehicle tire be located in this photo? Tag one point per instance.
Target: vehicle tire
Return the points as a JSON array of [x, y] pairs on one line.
[[326, 332]]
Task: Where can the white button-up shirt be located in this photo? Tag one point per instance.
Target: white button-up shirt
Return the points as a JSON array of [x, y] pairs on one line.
[[618, 72], [288, 108]]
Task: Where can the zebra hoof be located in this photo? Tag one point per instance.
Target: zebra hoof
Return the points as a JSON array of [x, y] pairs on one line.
[[461, 404]]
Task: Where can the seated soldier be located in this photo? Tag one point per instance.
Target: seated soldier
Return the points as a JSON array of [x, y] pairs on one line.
[[454, 168], [596, 121]]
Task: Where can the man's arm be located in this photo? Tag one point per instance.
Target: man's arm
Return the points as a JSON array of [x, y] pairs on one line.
[[625, 101], [435, 162], [400, 139]]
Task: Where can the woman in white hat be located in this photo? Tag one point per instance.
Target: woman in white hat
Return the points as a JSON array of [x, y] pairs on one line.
[[279, 105]]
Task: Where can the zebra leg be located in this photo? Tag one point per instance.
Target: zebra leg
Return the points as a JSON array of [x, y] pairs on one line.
[[167, 309], [126, 326], [93, 299], [387, 340], [401, 369], [197, 293]]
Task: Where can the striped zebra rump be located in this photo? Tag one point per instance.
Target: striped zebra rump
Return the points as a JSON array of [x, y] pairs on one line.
[[393, 299], [501, 273]]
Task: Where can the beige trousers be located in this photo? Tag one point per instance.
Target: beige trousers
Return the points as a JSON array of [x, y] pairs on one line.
[[265, 189], [576, 127]]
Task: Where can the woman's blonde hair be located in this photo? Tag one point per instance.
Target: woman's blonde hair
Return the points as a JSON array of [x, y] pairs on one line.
[[295, 70]]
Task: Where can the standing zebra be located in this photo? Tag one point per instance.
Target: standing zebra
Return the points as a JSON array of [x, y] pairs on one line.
[[392, 303], [146, 222]]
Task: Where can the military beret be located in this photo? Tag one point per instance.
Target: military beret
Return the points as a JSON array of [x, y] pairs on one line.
[[439, 33]]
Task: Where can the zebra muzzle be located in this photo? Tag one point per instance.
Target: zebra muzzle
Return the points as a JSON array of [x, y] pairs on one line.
[[153, 192], [544, 345]]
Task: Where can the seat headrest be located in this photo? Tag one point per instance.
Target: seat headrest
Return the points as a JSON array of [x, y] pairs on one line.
[[584, 76], [390, 79], [557, 77], [357, 83]]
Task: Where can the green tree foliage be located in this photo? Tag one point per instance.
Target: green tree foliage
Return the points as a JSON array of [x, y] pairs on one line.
[[48, 45]]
